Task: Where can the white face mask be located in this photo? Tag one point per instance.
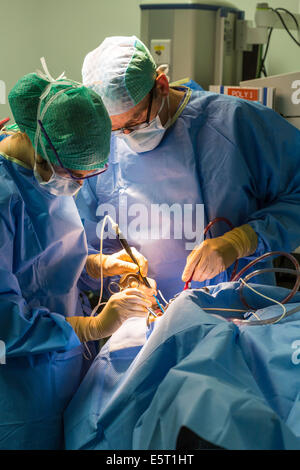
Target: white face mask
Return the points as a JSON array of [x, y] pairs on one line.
[[58, 185], [147, 138]]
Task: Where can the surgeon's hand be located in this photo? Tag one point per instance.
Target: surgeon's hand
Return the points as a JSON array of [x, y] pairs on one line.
[[215, 255], [207, 260], [116, 264], [121, 306]]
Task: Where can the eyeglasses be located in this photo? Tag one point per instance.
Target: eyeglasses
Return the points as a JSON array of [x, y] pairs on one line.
[[142, 125], [97, 172]]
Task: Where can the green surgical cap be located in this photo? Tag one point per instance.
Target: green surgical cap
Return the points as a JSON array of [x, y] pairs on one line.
[[121, 70], [73, 116]]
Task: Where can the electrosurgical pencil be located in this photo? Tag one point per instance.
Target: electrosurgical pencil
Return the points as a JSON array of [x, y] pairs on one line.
[[128, 250]]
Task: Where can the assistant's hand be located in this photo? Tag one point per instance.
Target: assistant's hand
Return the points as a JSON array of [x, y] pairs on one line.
[[131, 302], [144, 289], [116, 264], [215, 255], [121, 306]]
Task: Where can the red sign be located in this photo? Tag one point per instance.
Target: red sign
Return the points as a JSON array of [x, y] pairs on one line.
[[245, 93]]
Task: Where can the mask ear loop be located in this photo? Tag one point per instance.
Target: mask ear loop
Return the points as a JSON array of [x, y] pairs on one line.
[[160, 109], [164, 69], [169, 116], [162, 105]]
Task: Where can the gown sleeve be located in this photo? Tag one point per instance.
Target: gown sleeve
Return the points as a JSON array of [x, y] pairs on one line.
[[272, 147], [260, 161], [25, 330]]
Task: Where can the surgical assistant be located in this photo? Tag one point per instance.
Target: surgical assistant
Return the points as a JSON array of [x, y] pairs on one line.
[[239, 159], [43, 251]]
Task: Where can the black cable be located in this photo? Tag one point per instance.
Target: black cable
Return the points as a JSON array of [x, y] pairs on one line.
[[262, 64], [276, 10], [289, 13], [289, 117], [284, 25]]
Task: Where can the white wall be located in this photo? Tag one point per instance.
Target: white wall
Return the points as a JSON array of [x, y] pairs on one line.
[[65, 30]]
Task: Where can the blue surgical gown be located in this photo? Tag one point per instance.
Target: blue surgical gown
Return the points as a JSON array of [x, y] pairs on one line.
[[43, 251], [235, 386], [241, 160]]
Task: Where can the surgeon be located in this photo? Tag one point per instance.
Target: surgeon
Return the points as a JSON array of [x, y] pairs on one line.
[[176, 147], [64, 138]]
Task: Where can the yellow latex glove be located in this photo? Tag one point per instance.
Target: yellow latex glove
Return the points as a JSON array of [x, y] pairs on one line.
[[120, 307], [214, 255], [117, 264]]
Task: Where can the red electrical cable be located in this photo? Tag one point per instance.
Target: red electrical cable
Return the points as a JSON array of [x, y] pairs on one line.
[[255, 273], [3, 122]]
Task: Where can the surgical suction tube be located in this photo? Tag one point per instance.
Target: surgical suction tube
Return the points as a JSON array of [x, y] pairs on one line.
[[264, 270], [269, 321]]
